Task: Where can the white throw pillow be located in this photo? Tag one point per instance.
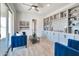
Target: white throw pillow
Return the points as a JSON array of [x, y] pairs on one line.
[[18, 34]]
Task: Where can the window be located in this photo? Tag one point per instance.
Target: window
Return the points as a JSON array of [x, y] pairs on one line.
[[9, 26], [3, 27], [3, 21]]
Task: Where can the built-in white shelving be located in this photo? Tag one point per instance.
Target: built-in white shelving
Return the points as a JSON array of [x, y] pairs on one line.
[[68, 16]]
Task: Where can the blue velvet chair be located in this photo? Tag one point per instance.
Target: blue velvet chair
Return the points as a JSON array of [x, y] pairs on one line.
[[18, 41], [73, 44], [62, 50], [71, 50]]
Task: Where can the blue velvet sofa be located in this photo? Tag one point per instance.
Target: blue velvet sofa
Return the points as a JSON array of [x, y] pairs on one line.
[[71, 50], [18, 41], [73, 44]]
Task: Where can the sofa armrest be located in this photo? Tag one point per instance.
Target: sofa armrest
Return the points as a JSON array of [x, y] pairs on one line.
[[61, 50], [17, 41], [73, 44]]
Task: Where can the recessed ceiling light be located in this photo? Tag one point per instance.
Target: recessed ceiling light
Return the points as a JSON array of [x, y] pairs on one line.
[[48, 5], [33, 8]]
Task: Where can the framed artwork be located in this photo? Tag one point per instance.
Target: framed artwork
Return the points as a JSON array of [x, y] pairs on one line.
[[51, 20], [47, 23], [56, 16], [63, 14], [24, 24], [44, 23]]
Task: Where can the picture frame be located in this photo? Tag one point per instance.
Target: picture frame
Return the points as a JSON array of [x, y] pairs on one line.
[[24, 25]]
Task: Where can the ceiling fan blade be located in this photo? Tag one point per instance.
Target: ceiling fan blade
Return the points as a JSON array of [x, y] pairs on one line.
[[30, 8], [40, 5], [36, 9], [27, 4]]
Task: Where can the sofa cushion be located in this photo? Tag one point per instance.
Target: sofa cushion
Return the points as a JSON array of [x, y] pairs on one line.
[[61, 50], [18, 41], [73, 43]]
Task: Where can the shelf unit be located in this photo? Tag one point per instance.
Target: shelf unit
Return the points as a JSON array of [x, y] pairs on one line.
[[71, 14], [51, 20], [56, 16], [63, 14], [23, 25]]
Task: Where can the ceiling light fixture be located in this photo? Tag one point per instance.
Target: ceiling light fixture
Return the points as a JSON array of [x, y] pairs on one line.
[[33, 8], [48, 5]]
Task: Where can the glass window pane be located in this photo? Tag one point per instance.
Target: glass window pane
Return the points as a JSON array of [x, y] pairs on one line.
[[3, 27], [3, 21]]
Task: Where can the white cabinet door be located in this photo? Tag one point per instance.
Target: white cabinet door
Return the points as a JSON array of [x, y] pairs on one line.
[[62, 38], [70, 36], [48, 35], [77, 37], [51, 36], [55, 36], [44, 33]]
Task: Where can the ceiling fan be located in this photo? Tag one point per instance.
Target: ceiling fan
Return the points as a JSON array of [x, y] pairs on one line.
[[33, 6]]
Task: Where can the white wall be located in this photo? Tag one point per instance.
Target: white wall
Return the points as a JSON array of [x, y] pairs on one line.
[[29, 17], [60, 24], [14, 20]]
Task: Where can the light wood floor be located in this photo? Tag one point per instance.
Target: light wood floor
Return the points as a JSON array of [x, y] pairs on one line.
[[42, 48]]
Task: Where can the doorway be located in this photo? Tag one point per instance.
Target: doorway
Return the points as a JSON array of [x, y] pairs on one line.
[[34, 25]]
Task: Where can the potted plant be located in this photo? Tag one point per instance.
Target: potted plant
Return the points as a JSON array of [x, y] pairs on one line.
[[34, 39]]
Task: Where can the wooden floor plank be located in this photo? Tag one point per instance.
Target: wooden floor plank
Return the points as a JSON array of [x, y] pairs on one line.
[[42, 48]]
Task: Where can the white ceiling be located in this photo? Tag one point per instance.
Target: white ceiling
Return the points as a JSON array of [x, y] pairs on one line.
[[44, 9]]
